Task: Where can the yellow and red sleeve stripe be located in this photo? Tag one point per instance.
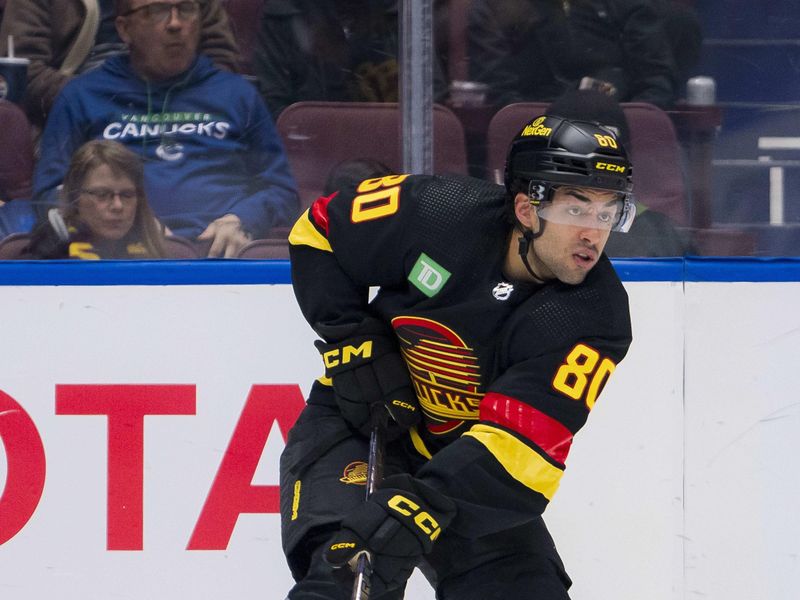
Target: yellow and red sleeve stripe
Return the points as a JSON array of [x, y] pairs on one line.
[[313, 233], [521, 461], [518, 458], [552, 437]]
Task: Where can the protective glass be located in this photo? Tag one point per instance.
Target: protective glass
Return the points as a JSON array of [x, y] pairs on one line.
[[615, 215], [160, 12]]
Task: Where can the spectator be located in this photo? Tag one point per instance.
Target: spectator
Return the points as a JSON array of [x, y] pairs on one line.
[[104, 210], [337, 50], [63, 38], [535, 50], [652, 233], [215, 169], [17, 216], [353, 171], [684, 32]]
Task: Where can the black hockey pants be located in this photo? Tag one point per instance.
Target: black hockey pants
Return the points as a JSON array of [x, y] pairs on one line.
[[320, 483]]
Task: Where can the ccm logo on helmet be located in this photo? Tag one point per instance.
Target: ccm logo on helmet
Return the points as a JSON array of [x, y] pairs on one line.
[[422, 518], [604, 166], [333, 358]]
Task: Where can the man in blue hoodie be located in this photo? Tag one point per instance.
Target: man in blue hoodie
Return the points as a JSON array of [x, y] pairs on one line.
[[215, 167]]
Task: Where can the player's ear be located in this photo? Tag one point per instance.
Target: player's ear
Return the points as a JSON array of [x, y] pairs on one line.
[[524, 211]]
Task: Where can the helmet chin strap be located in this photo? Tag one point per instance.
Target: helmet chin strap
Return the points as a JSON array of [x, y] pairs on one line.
[[525, 241]]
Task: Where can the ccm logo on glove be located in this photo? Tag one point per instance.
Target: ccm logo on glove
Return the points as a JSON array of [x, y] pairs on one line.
[[343, 545], [342, 356], [422, 518], [368, 373], [405, 405]]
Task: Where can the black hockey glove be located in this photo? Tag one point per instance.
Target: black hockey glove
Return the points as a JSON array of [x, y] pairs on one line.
[[367, 373], [397, 525]]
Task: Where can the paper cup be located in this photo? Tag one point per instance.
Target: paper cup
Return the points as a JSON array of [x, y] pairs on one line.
[[13, 78]]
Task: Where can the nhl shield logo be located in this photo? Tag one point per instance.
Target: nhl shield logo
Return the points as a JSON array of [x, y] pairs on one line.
[[502, 291]]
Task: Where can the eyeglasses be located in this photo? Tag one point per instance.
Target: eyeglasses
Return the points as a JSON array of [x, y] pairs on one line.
[[106, 195], [159, 12]]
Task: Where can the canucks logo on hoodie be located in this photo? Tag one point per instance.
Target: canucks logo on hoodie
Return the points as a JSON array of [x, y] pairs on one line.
[[132, 126]]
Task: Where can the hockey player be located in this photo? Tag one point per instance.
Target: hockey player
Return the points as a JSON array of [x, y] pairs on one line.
[[497, 323]]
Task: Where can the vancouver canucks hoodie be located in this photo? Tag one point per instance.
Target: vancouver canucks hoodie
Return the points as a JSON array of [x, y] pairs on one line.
[[207, 140]]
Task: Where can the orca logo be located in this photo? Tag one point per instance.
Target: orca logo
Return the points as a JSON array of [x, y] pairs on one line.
[[170, 151]]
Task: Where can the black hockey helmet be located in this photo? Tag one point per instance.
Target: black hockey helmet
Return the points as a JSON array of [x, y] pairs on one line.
[[551, 151]]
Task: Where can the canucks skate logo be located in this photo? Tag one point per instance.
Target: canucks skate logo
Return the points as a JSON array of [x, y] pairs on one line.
[[428, 276], [502, 291]]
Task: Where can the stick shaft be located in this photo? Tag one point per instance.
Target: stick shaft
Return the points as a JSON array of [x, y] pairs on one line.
[[363, 574], [374, 476]]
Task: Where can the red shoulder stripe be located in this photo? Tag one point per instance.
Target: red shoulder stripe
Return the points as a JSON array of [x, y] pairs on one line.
[[544, 431], [319, 211]]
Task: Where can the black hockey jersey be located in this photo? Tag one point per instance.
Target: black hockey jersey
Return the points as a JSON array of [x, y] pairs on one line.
[[506, 372]]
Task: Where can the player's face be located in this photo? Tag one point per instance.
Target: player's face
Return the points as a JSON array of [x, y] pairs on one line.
[[107, 203], [162, 36], [576, 225]]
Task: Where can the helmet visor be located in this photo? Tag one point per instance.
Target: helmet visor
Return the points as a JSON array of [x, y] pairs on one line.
[[615, 214]]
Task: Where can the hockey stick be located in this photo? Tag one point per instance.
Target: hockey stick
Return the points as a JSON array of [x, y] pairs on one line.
[[374, 475]]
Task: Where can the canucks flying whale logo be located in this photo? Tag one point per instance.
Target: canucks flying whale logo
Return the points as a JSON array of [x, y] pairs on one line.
[[444, 371], [355, 473], [169, 151]]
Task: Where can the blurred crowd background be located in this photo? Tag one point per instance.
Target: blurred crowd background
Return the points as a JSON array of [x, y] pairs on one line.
[[242, 112]]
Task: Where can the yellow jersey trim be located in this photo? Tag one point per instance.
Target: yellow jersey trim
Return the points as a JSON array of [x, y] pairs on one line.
[[305, 234], [522, 463], [419, 445]]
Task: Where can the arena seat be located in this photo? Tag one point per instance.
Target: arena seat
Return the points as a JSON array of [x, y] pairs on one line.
[[505, 124], [12, 245], [658, 173], [655, 152], [16, 153], [319, 135], [179, 247], [265, 248]]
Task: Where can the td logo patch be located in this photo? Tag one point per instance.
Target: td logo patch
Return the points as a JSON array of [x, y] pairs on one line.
[[428, 276]]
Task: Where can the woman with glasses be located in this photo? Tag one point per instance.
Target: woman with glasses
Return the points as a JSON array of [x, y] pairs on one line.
[[104, 212]]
